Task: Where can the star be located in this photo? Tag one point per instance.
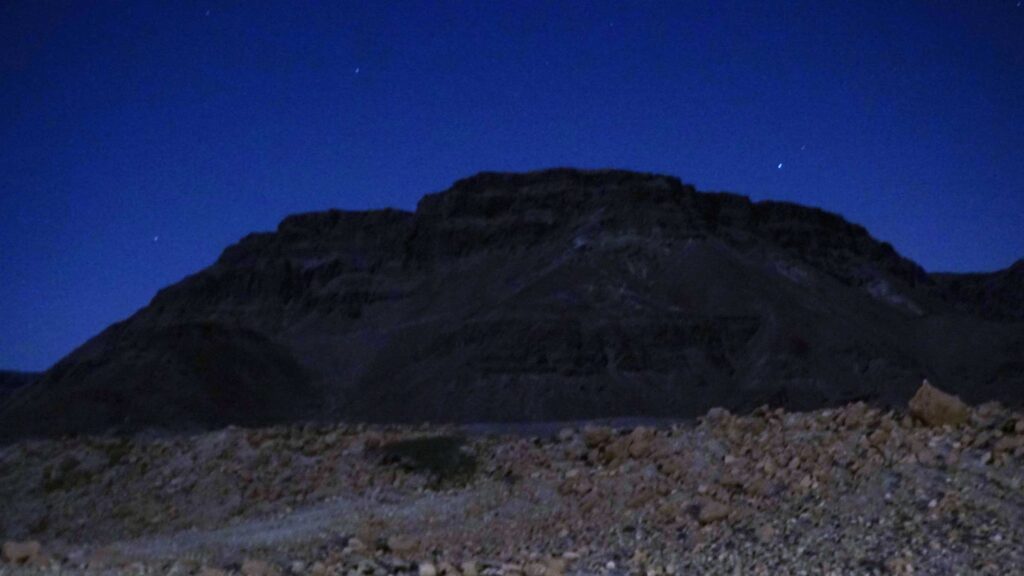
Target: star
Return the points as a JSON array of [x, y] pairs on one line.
[[156, 238], [357, 70], [780, 166]]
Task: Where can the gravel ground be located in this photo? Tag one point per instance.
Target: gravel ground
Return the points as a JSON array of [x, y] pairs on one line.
[[845, 491]]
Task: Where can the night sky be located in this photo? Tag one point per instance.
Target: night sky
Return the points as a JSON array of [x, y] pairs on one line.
[[138, 140]]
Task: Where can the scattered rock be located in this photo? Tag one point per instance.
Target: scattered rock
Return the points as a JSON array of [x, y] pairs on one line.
[[849, 480]]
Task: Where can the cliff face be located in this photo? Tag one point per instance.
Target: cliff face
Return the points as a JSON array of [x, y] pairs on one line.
[[548, 295]]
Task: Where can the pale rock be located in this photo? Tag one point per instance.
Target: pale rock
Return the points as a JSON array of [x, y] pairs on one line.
[[596, 436], [712, 511], [765, 533], [640, 447], [535, 569], [616, 452], [937, 408], [402, 544], [639, 558], [105, 557], [427, 569], [717, 415], [21, 552], [878, 438], [640, 440], [356, 545], [258, 568], [555, 566], [1008, 444]]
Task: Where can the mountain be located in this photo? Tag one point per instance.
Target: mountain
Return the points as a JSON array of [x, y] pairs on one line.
[[11, 381], [559, 294], [998, 295]]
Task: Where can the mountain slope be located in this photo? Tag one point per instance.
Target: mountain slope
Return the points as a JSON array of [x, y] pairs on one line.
[[547, 295], [11, 381]]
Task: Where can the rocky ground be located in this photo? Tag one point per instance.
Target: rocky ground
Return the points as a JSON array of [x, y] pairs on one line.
[[854, 490]]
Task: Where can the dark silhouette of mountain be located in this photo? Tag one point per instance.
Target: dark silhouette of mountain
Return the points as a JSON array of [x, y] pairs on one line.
[[998, 295], [11, 381], [559, 294]]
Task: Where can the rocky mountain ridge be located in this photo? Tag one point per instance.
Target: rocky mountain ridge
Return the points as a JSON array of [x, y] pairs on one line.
[[551, 295]]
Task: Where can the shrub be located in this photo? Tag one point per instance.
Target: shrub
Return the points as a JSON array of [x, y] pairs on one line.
[[442, 458]]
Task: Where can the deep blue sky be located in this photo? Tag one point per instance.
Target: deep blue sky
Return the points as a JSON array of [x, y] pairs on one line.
[[137, 140]]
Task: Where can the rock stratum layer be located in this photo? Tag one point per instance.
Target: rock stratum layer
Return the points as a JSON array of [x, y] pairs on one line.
[[552, 295]]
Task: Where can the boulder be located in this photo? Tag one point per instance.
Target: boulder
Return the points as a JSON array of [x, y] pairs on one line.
[[937, 408], [21, 552], [597, 436]]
